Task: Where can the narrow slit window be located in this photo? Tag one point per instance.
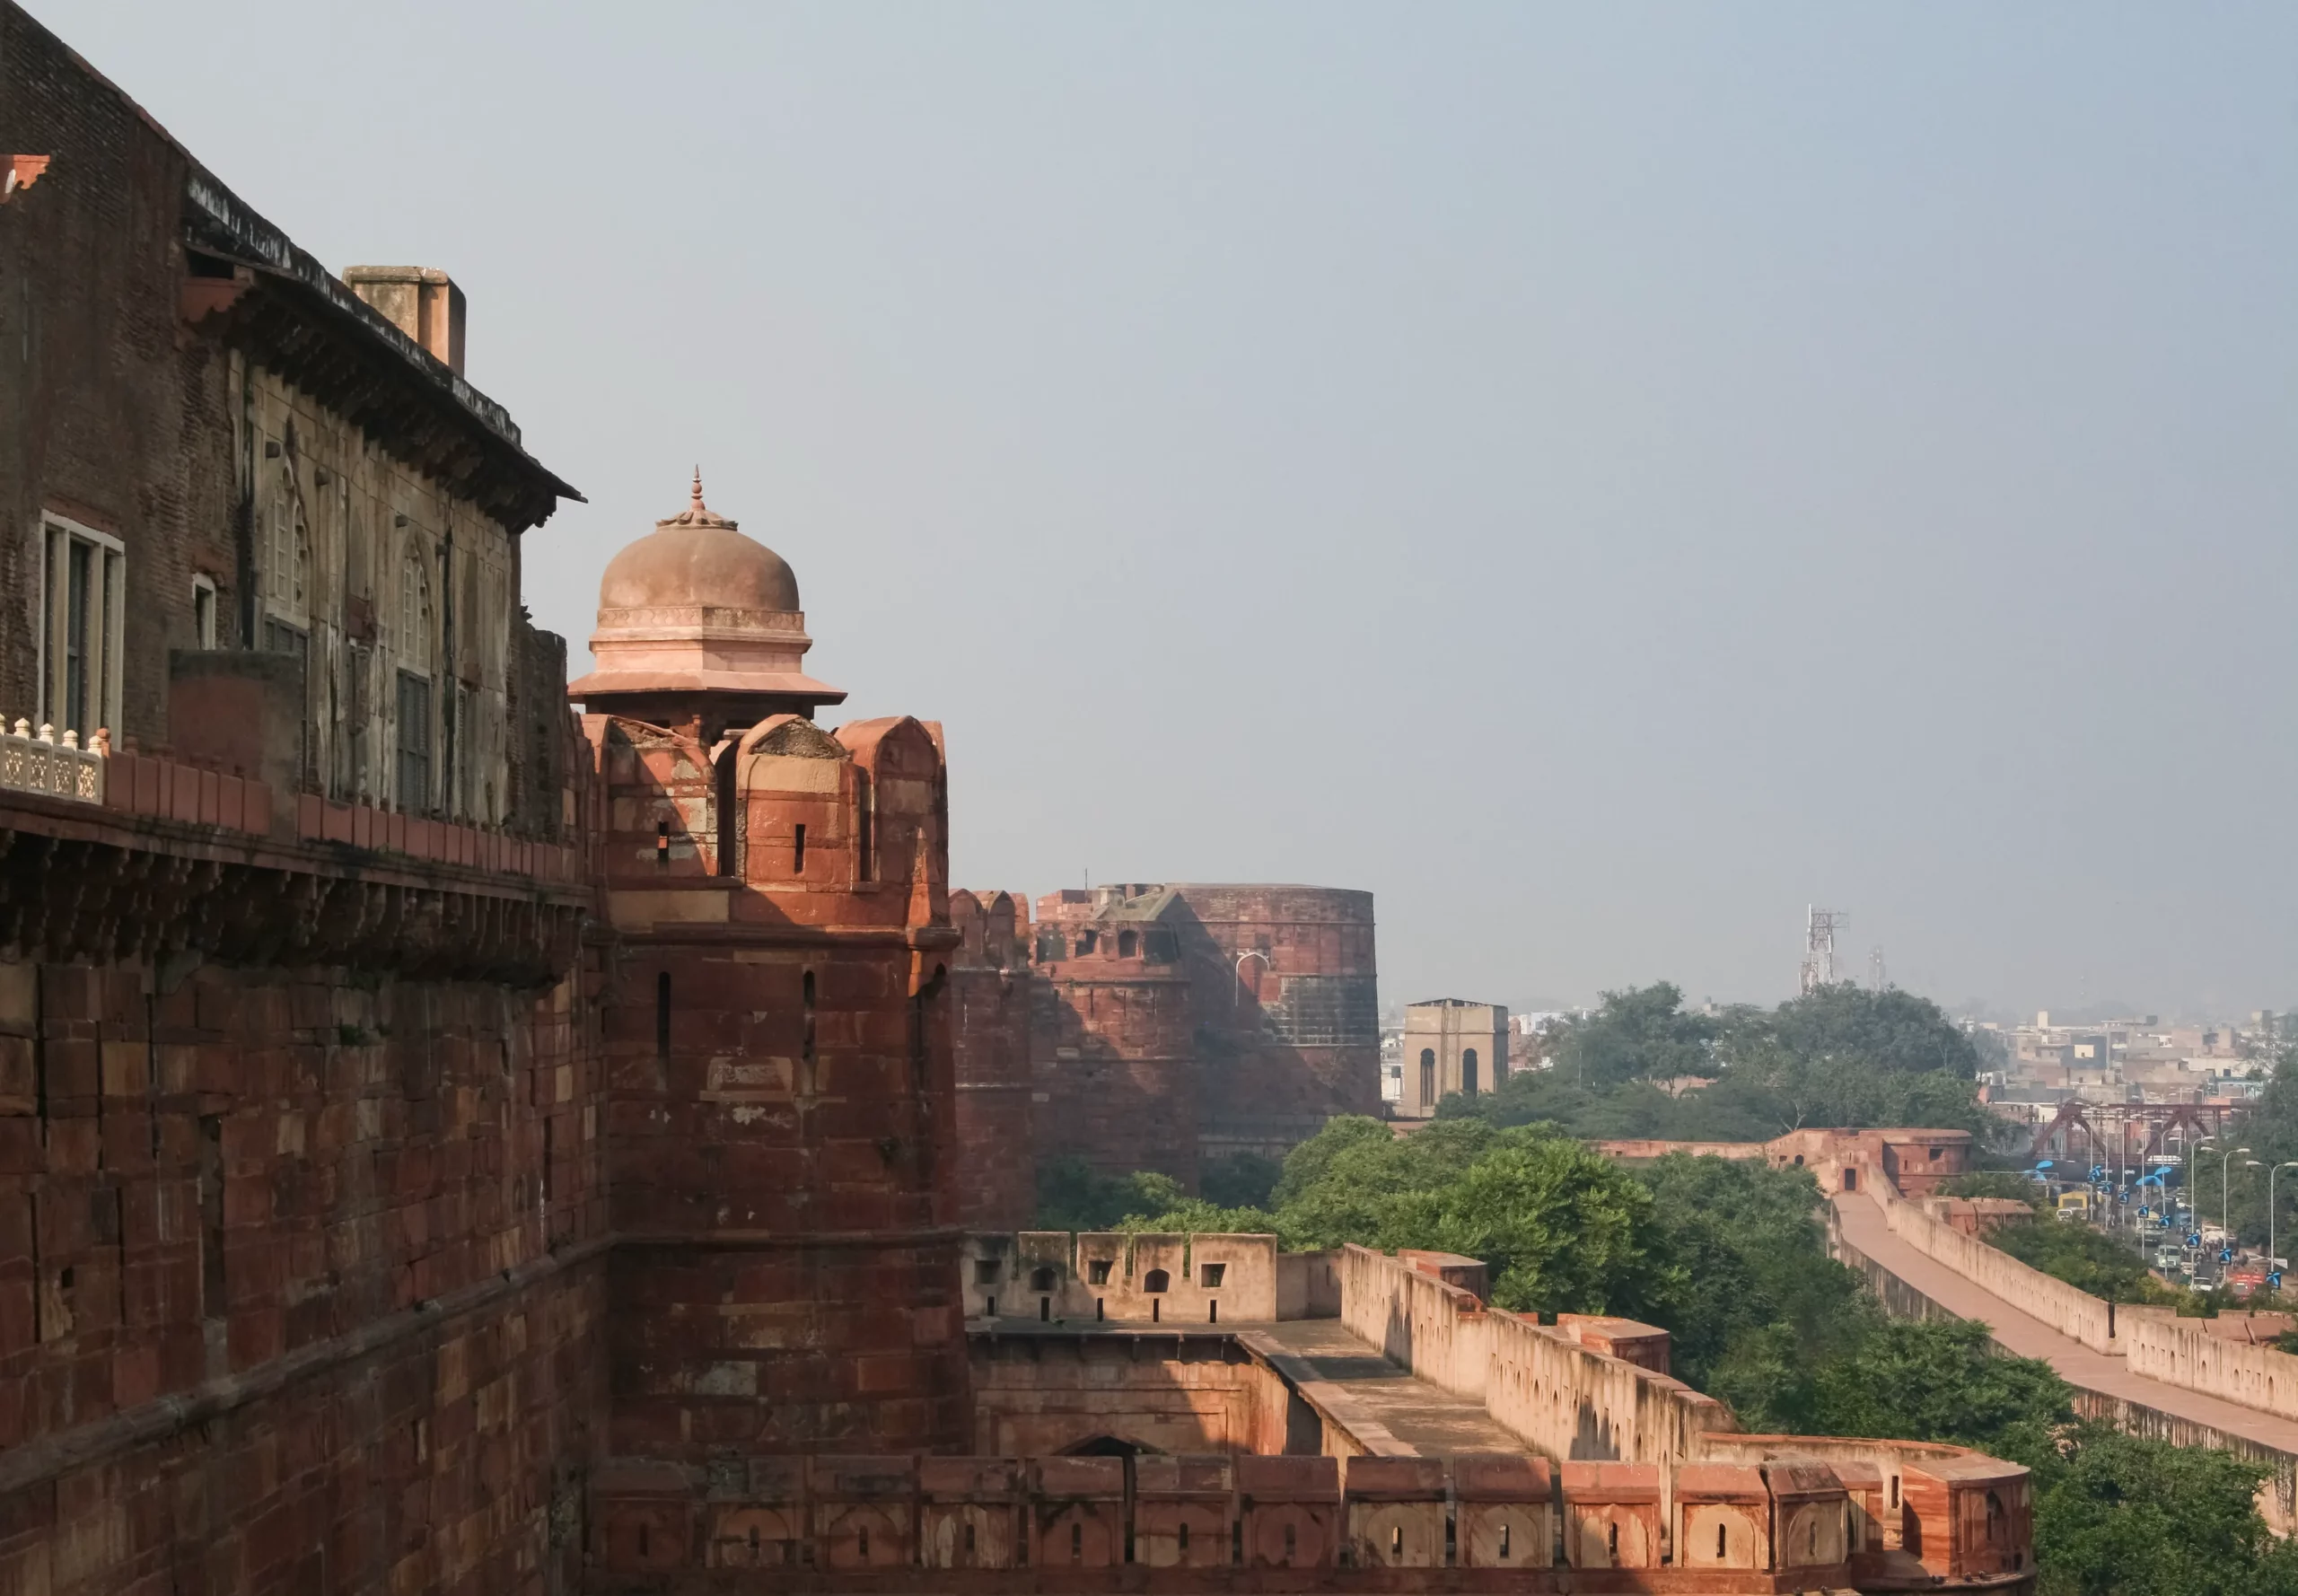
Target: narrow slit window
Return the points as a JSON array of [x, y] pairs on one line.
[[1719, 1541], [662, 1014], [798, 850]]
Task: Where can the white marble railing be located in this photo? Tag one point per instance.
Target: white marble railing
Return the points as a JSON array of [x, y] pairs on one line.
[[38, 762]]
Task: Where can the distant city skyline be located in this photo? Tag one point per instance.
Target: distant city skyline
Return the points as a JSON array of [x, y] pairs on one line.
[[1599, 478]]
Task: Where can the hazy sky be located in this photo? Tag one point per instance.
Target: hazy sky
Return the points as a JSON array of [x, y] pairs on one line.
[[1600, 476]]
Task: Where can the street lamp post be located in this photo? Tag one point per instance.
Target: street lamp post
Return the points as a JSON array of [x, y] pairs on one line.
[[2287, 1164], [2224, 1164]]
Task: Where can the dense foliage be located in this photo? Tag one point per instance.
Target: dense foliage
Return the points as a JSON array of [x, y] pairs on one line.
[[2120, 1515], [1642, 1066], [2005, 1184]]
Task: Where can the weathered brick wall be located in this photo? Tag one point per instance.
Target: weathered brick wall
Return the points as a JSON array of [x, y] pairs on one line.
[[298, 1285], [1111, 1047], [106, 415], [1290, 1036]]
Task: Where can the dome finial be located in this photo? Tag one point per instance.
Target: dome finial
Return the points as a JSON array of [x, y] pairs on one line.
[[697, 486]]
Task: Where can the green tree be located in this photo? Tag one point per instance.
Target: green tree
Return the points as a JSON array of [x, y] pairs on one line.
[[1641, 1034], [2120, 1515], [1890, 1031], [2001, 1184], [1939, 1379], [1074, 1195], [1241, 1180]]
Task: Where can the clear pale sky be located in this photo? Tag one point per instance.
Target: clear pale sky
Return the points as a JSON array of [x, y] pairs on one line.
[[1600, 477]]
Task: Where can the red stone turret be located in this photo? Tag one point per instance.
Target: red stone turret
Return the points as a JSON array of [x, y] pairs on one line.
[[777, 1040]]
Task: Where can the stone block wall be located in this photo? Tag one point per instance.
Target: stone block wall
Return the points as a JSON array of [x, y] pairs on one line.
[[776, 1051], [989, 1009], [1286, 985], [1199, 1392], [1114, 1056], [299, 1281]]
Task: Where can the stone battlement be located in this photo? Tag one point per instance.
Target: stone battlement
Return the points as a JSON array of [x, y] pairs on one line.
[[1218, 1523]]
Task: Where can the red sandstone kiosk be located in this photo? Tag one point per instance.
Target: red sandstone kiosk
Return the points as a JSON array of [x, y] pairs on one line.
[[777, 1039]]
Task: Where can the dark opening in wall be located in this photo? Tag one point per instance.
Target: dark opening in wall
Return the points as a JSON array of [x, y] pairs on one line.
[[662, 1014], [798, 850], [661, 842], [1127, 944]]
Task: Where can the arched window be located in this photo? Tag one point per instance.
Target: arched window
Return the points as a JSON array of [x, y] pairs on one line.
[[1156, 1280], [1467, 1071], [288, 559], [413, 611], [1040, 1279], [1427, 1077], [1085, 940], [1127, 944]]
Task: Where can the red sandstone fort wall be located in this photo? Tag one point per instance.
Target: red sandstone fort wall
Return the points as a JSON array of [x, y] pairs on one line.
[[345, 1230], [990, 1001], [1286, 989], [1113, 1050], [778, 1057]]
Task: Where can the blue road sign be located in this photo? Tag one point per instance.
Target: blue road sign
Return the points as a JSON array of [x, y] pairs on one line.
[[2194, 1238]]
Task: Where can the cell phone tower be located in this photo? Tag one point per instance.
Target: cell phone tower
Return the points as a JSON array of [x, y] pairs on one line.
[[1820, 926]]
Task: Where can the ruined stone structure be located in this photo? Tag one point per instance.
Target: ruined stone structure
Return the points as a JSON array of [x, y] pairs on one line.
[[448, 1144], [1177, 1023]]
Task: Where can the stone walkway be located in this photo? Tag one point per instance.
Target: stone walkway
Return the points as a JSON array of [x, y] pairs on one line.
[[1432, 1421], [1862, 1226]]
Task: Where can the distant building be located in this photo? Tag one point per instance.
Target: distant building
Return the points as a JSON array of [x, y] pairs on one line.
[[1451, 1044]]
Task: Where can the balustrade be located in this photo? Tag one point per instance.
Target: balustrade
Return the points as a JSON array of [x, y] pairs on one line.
[[40, 763]]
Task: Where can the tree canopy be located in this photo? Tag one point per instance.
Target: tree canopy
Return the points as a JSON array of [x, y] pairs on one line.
[[1840, 1056]]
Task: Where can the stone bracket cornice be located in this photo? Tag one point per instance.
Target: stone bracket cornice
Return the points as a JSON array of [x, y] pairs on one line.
[[82, 884]]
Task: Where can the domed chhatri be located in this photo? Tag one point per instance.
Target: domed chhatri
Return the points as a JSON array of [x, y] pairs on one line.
[[697, 551], [697, 621]]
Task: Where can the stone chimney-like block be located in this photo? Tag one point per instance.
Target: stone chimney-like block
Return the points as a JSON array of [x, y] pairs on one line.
[[421, 300]]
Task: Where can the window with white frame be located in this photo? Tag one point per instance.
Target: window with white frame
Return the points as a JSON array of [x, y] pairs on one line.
[[414, 609], [288, 556], [84, 613]]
